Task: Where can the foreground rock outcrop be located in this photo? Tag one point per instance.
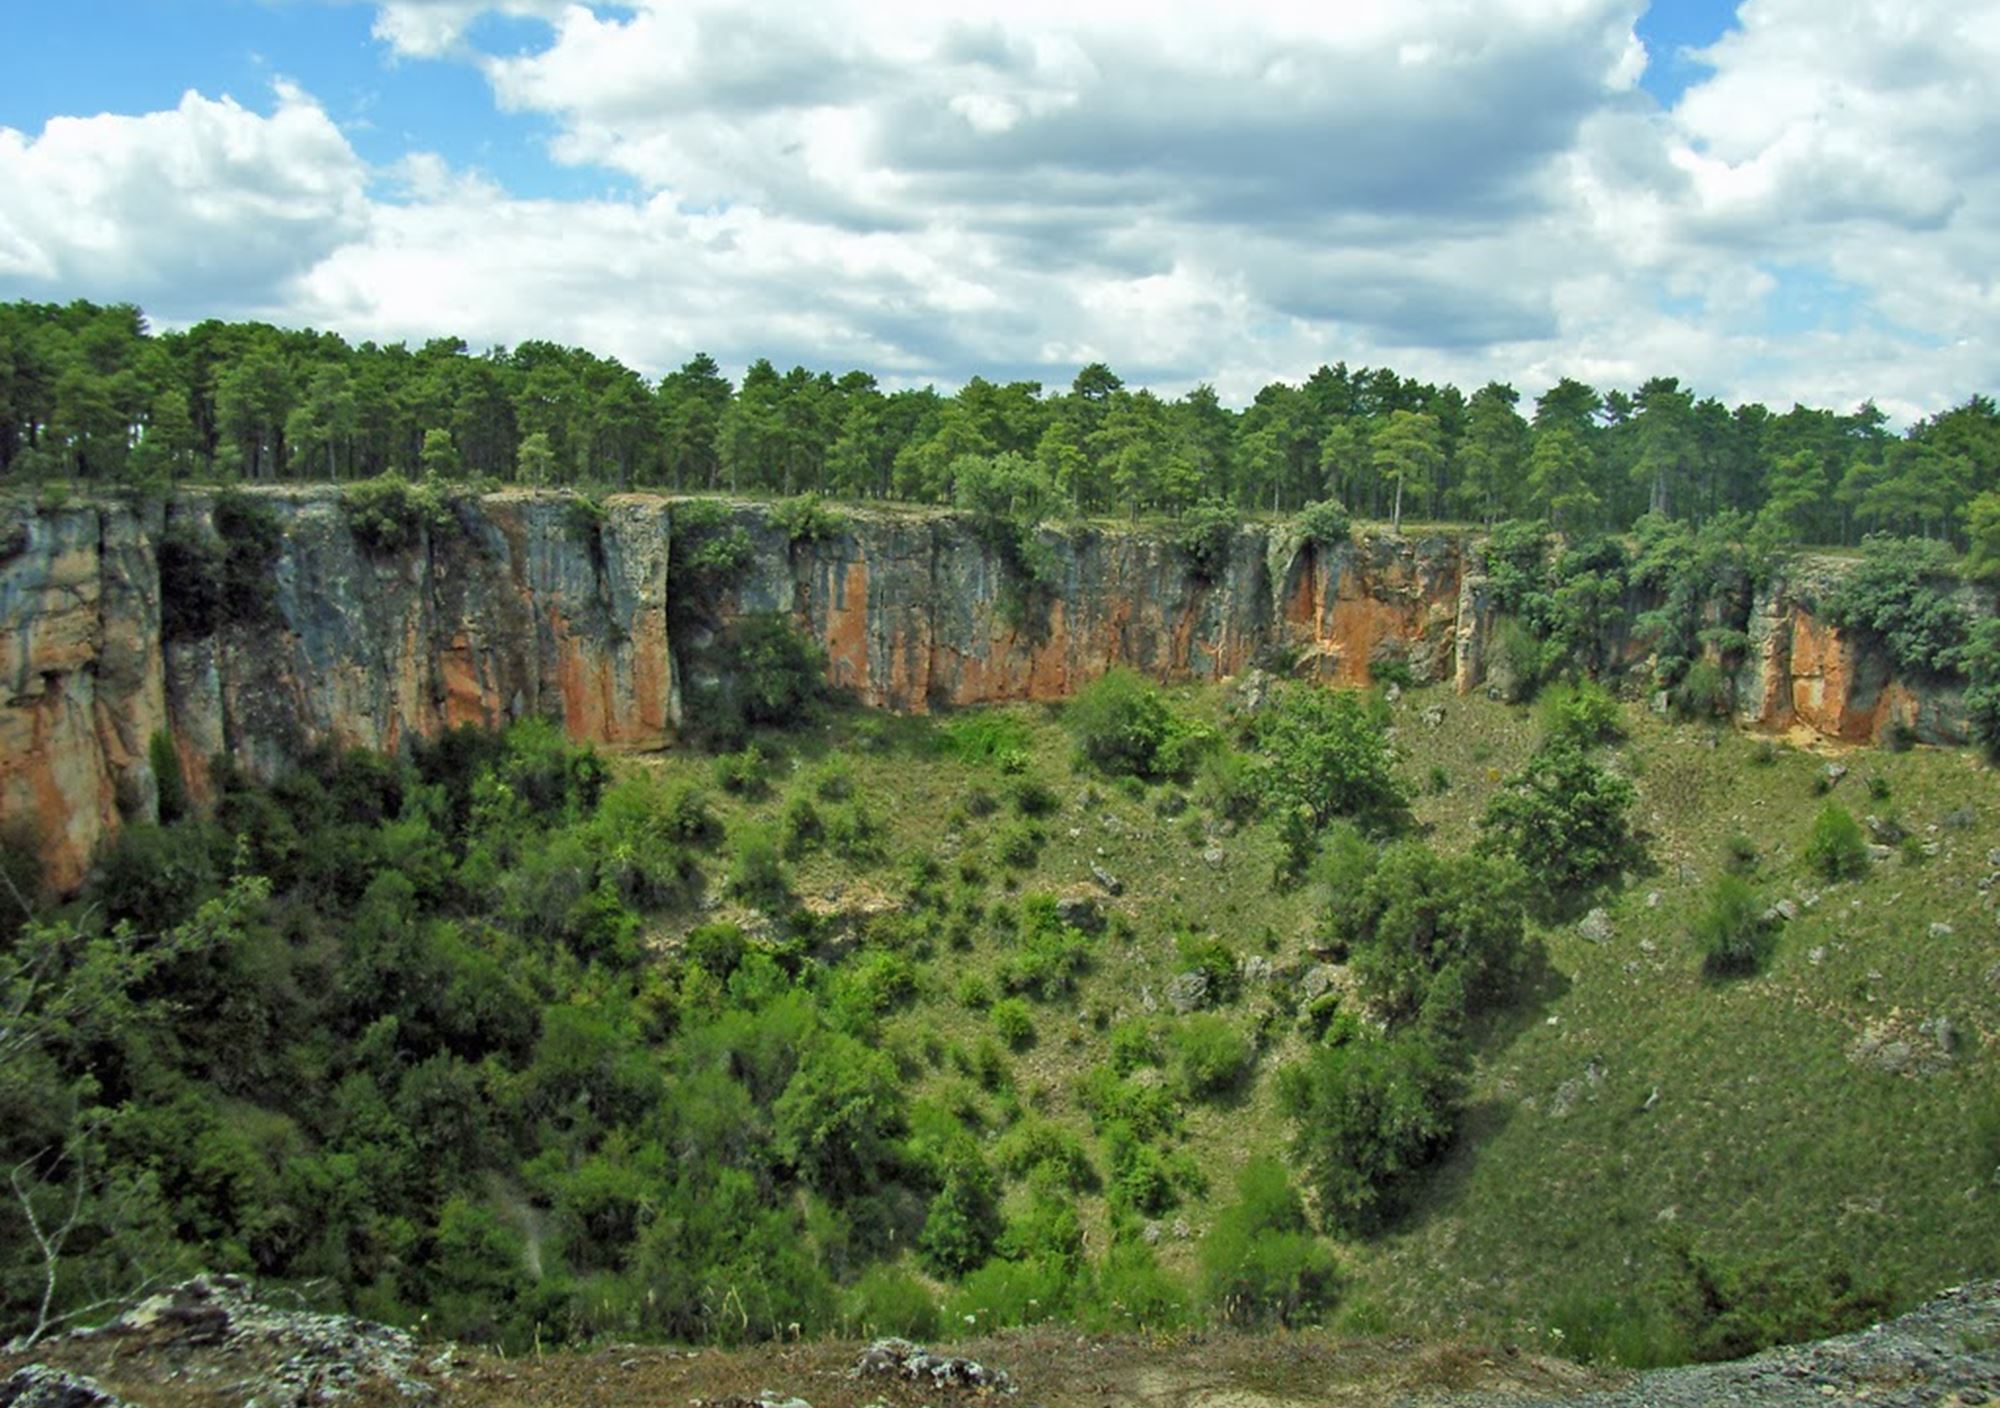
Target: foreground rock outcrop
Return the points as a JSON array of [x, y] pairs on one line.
[[212, 1341], [518, 606]]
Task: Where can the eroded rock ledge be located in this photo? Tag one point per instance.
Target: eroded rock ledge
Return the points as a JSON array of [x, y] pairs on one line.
[[514, 612]]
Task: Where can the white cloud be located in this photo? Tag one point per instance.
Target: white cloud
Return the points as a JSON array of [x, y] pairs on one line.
[[208, 205], [1460, 190]]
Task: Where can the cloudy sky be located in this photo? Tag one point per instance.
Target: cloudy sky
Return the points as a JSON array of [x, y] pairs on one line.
[[1779, 199]]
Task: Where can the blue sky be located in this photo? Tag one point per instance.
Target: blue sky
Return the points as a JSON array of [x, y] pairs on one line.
[[932, 191], [1672, 32], [387, 105]]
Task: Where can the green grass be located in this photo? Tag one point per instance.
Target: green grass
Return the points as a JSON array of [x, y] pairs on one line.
[[1765, 1140]]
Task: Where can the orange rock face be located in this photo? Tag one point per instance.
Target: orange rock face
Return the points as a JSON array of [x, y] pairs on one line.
[[511, 617], [516, 614]]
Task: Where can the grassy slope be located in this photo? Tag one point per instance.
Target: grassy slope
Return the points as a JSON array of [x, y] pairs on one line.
[[1765, 1139]]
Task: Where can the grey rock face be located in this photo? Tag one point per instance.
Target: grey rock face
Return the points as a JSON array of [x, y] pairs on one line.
[[507, 612], [1187, 991], [902, 1359], [39, 1386]]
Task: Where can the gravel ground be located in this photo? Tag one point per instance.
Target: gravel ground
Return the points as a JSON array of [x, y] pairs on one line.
[[1947, 1352], [211, 1345]]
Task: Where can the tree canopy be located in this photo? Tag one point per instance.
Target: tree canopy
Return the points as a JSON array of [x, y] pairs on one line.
[[88, 392]]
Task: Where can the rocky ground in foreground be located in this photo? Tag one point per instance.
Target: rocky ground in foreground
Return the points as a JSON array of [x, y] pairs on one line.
[[212, 1343]]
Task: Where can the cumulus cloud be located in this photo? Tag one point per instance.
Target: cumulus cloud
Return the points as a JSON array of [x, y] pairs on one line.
[[207, 207], [1461, 190], [426, 29]]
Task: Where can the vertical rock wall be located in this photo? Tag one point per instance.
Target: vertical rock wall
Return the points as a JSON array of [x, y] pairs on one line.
[[506, 614], [518, 608]]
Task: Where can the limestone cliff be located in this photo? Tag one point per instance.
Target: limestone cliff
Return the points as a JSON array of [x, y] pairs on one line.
[[507, 613], [515, 607]]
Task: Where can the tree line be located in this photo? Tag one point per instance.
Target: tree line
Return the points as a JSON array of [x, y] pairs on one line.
[[89, 392]]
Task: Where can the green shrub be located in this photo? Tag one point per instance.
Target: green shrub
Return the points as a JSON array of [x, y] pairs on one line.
[[1260, 1263], [1210, 1055], [1047, 961], [963, 1224], [1431, 936], [1125, 727], [1981, 661], [1047, 1230], [1731, 933], [988, 737], [756, 870], [1230, 784], [800, 827], [707, 556], [252, 539], [190, 581], [1133, 1044], [1204, 535], [1324, 521], [1005, 497], [1522, 658], [1140, 1181], [1702, 693], [833, 779], [1837, 847], [227, 577], [1047, 1152], [1391, 670], [1330, 757], [766, 675], [1214, 960], [1013, 1023], [583, 519], [855, 833], [745, 773], [1902, 595], [975, 992], [1740, 855], [1369, 1114], [1582, 713], [839, 1117], [716, 948], [1133, 1292], [1019, 845], [888, 1300], [807, 519], [685, 816], [1565, 818], [389, 514], [1035, 798], [154, 877], [1145, 1111], [1003, 1294]]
